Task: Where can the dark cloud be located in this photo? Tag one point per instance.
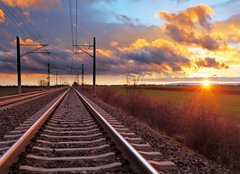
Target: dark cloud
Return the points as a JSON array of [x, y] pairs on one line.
[[180, 1], [166, 59], [210, 63], [109, 1], [94, 1], [127, 20], [231, 2]]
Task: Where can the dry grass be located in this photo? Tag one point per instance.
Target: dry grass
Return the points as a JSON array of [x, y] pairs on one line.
[[200, 126]]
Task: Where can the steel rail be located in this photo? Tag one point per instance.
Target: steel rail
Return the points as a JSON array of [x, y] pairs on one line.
[[137, 161], [10, 100], [26, 93], [11, 155], [20, 95]]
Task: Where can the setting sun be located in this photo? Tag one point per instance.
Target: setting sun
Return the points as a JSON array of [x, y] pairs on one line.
[[206, 83]]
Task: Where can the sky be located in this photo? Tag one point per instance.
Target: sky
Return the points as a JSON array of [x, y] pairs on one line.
[[162, 41]]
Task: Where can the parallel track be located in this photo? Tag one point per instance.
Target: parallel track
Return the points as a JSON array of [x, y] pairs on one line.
[[72, 136], [8, 100]]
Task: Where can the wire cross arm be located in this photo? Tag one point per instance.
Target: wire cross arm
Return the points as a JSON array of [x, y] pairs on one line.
[[36, 51], [83, 45], [84, 52]]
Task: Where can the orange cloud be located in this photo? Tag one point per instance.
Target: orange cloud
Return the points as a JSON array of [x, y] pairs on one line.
[[192, 26], [189, 17], [68, 51], [230, 28], [46, 4], [29, 41], [114, 44], [26, 41], [105, 53], [2, 16]]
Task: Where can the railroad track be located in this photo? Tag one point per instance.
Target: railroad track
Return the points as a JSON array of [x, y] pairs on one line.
[[73, 137], [8, 100]]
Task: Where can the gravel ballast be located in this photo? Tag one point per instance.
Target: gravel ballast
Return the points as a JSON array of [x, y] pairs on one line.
[[187, 160], [12, 117], [70, 115]]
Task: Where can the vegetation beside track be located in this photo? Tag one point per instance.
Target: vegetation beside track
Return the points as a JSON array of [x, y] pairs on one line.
[[196, 119], [226, 99]]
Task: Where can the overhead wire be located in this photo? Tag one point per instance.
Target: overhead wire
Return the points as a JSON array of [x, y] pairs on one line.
[[72, 34], [24, 18], [76, 24], [6, 12], [21, 23], [18, 21], [71, 23]]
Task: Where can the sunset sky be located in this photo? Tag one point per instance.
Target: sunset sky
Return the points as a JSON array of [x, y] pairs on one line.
[[164, 40]]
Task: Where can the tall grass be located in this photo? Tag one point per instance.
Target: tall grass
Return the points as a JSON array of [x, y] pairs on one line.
[[200, 126]]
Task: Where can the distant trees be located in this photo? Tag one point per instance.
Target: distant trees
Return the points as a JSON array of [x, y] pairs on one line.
[[75, 84], [42, 82]]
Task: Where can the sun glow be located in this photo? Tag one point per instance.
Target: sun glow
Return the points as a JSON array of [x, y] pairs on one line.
[[206, 84]]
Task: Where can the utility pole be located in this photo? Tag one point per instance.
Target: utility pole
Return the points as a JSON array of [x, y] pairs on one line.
[[48, 75], [94, 67], [59, 79], [33, 51], [93, 56], [78, 74], [19, 67], [56, 78], [82, 76]]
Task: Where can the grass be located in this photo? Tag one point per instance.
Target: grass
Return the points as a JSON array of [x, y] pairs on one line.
[[4, 91], [228, 104], [197, 118]]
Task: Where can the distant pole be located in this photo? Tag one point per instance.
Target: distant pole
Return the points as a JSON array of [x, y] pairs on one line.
[[48, 75], [94, 66], [19, 67], [78, 74], [76, 21], [82, 76], [56, 78], [60, 79]]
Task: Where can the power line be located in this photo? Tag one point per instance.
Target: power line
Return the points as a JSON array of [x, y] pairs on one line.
[[19, 21], [71, 23], [12, 19], [24, 18], [76, 22]]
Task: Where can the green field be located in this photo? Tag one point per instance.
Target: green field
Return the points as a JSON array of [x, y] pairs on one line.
[[224, 99], [13, 90]]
